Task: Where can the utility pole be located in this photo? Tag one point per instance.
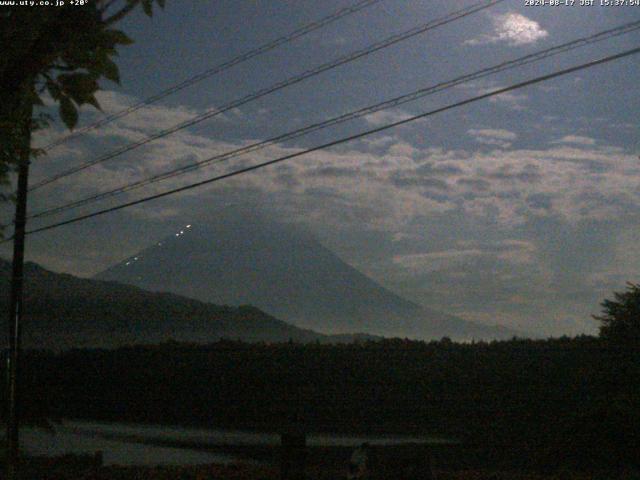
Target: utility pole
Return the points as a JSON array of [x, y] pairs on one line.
[[16, 300]]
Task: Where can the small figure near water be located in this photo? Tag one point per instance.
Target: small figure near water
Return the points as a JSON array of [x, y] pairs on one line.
[[358, 463], [399, 462]]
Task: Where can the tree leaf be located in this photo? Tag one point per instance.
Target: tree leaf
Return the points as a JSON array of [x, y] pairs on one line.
[[92, 101], [54, 89], [68, 112], [79, 86], [116, 37], [147, 6], [80, 81], [109, 69]]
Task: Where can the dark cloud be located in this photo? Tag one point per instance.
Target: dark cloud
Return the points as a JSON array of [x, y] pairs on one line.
[[407, 180], [475, 184], [336, 171], [433, 169], [541, 201], [287, 179], [529, 174]]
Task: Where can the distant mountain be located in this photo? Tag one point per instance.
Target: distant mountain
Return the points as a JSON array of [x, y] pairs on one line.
[[244, 258], [63, 311]]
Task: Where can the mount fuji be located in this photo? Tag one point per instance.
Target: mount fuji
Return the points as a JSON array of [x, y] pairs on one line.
[[250, 259]]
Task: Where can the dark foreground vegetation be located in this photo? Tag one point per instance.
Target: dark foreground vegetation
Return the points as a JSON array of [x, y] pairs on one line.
[[50, 471], [538, 406]]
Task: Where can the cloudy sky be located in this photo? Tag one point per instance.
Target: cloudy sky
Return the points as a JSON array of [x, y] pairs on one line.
[[522, 209]]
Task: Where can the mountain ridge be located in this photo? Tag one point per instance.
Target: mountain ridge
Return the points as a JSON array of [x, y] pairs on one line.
[[63, 311], [237, 259]]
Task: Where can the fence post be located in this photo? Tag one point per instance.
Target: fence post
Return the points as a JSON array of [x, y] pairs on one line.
[[293, 458]]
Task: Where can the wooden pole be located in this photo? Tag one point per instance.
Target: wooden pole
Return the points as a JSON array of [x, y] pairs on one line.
[[16, 303]]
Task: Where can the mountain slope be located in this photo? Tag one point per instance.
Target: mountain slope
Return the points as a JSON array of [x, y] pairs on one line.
[[63, 311], [247, 259]]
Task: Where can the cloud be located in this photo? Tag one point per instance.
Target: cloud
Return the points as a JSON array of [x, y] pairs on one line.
[[386, 116], [573, 178], [421, 199], [513, 29], [490, 136], [576, 140], [474, 184], [436, 260], [512, 251], [150, 118], [517, 251], [379, 141], [514, 101], [511, 100], [499, 134]]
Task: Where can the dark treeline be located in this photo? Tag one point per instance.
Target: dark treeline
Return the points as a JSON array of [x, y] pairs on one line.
[[543, 401]]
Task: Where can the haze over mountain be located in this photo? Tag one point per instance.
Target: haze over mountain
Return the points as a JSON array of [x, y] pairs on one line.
[[63, 311], [248, 259]]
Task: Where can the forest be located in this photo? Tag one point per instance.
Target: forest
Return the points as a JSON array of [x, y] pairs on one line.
[[527, 404]]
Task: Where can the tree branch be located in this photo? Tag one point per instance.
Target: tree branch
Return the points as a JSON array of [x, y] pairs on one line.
[[122, 13], [107, 6]]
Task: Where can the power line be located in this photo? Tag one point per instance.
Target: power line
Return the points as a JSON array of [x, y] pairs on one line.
[[278, 86], [387, 42], [304, 30], [527, 59], [500, 91]]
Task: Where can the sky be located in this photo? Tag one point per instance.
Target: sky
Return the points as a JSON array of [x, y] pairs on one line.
[[522, 209]]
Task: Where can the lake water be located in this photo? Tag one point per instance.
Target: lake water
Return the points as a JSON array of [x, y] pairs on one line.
[[122, 444]]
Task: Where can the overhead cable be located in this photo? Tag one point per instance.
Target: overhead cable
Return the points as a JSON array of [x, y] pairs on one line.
[[304, 30], [394, 102], [342, 140], [213, 112]]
